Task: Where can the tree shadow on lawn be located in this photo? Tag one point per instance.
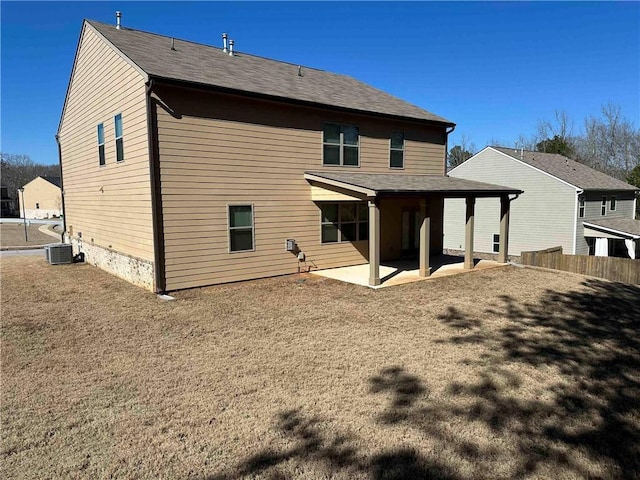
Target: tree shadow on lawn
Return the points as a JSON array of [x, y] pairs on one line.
[[584, 423]]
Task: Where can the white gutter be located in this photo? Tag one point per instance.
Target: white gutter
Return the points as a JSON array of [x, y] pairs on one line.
[[575, 221]]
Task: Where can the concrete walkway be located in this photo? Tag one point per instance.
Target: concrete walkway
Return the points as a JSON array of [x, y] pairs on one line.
[[398, 273]]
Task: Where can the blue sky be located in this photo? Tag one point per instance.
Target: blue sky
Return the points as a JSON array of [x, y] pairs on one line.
[[495, 69]]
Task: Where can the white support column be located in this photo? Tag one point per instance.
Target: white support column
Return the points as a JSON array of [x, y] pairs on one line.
[[468, 233], [425, 239], [503, 252], [374, 243]]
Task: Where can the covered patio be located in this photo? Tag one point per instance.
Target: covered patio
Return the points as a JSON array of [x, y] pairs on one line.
[[428, 190], [614, 237]]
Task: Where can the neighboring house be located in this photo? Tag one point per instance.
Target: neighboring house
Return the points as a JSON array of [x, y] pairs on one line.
[[187, 165], [42, 198], [565, 203], [8, 203]]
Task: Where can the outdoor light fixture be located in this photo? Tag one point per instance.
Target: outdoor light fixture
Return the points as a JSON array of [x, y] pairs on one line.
[[24, 214]]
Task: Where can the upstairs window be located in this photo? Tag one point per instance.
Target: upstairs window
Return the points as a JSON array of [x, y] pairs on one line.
[[119, 145], [240, 228], [612, 203], [603, 206], [581, 207], [344, 222], [341, 145], [396, 150], [101, 157]]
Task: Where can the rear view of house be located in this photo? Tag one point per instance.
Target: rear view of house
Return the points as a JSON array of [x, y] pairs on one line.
[[187, 165], [565, 203]]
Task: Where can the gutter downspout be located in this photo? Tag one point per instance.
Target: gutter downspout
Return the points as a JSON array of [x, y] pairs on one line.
[[156, 196], [446, 146], [575, 221], [64, 212]]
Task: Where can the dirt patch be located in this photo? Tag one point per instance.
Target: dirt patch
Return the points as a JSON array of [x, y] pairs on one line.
[[12, 235], [507, 373]]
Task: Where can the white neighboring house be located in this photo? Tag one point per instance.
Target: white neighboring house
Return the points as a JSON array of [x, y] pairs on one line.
[[42, 198], [565, 203]]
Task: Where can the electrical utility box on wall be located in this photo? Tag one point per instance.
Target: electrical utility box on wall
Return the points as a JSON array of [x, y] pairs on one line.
[[290, 245]]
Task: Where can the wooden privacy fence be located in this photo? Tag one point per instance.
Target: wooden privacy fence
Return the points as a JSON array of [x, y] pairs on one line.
[[615, 269]]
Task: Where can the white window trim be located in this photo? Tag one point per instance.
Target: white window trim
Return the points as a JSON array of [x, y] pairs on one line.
[[582, 206], [339, 223], [342, 145], [494, 243], [253, 227], [397, 150], [603, 207]]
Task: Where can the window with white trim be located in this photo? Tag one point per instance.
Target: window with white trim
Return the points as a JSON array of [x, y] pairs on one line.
[[581, 206], [119, 142], [340, 145], [240, 228], [101, 157], [496, 243], [612, 203], [396, 150], [344, 222], [603, 206]]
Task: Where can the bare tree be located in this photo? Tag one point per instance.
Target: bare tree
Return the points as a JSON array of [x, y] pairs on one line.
[[16, 170], [551, 133], [461, 152]]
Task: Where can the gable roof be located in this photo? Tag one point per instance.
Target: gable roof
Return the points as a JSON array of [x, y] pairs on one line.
[[570, 171], [54, 180], [243, 73]]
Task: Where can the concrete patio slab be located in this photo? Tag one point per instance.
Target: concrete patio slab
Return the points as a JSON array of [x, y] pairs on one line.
[[401, 272]]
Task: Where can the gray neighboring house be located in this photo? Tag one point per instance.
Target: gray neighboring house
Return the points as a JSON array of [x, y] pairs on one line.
[[565, 203]]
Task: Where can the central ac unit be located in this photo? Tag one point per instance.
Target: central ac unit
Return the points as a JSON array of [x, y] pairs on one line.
[[59, 253]]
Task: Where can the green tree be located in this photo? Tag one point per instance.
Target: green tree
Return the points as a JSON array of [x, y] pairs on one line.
[[557, 144]]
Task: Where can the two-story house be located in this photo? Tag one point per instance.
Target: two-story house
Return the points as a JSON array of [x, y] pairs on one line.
[[42, 198], [187, 165], [565, 203]]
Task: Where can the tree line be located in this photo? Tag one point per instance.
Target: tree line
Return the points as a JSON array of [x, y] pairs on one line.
[[16, 170], [608, 142]]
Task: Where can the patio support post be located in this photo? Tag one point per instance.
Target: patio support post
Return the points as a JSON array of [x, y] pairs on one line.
[[503, 252], [425, 243], [468, 233], [374, 243]]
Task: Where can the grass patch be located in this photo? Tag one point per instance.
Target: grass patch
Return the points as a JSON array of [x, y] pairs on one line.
[[12, 235], [504, 373]]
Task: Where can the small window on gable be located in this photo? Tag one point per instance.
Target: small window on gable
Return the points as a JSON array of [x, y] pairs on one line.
[[119, 142], [340, 145], [496, 243], [396, 150], [37, 205], [241, 228], [603, 206], [581, 205], [612, 203], [101, 157]]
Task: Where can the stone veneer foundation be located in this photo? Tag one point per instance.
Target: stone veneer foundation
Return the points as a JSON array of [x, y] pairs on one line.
[[132, 269]]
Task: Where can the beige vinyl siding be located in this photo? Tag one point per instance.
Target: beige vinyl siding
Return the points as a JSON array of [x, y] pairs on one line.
[[593, 202], [218, 150], [542, 217], [44, 193], [111, 204]]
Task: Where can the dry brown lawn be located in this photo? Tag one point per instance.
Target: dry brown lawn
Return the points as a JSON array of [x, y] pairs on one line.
[[507, 373], [12, 235]]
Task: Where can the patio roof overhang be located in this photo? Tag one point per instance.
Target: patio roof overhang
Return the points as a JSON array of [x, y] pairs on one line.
[[372, 185], [622, 228]]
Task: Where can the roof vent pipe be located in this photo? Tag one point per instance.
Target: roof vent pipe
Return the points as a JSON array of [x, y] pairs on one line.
[[118, 17], [173, 43], [224, 43], [521, 153], [231, 42]]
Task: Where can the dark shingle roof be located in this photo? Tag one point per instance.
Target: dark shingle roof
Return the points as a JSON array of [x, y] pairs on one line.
[[625, 225], [400, 183], [206, 65], [577, 174], [54, 180]]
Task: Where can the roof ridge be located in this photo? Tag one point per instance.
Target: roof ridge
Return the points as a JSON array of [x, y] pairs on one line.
[[213, 46]]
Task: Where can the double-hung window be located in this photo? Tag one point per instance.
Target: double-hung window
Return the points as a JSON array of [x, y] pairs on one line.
[[241, 228], [396, 150], [344, 222], [581, 205], [612, 203], [119, 145], [603, 206], [101, 157], [496, 243], [341, 145]]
